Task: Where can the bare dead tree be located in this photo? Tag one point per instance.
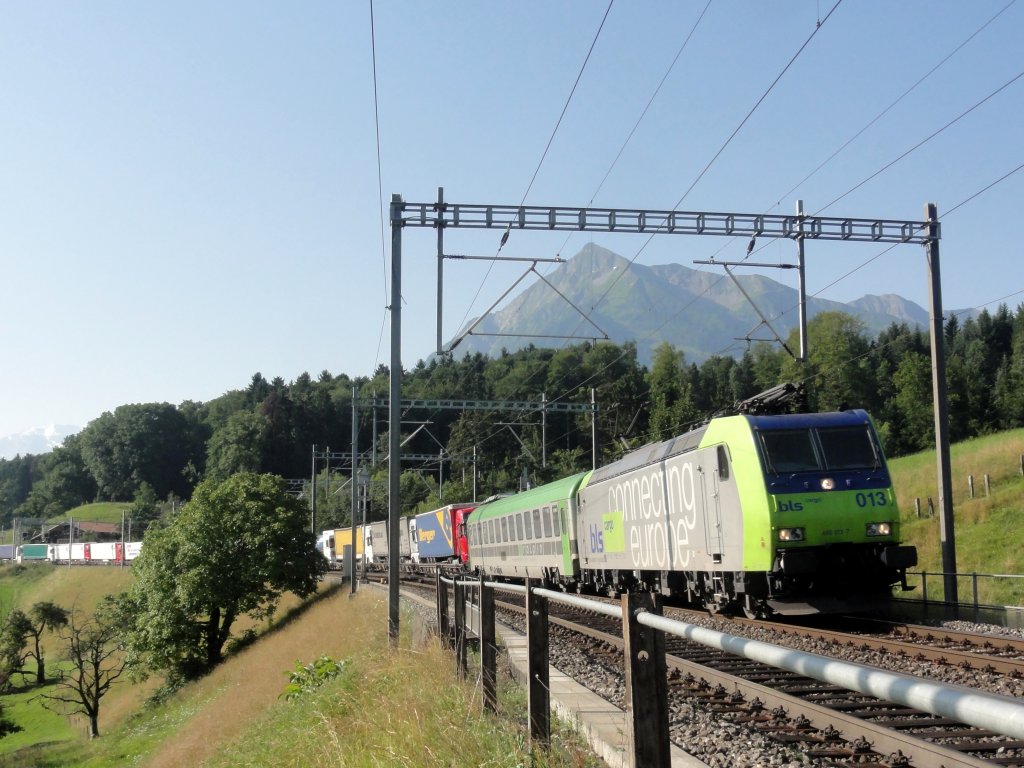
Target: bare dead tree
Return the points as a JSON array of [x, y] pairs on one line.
[[93, 646]]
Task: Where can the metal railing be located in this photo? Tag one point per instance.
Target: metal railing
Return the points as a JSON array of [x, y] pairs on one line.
[[996, 598], [644, 630]]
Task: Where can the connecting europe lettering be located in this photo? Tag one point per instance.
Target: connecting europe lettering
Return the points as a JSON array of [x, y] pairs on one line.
[[651, 515]]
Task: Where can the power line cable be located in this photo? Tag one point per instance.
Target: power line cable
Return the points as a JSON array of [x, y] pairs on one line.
[[877, 117], [640, 119], [685, 194], [711, 162], [923, 141], [753, 109], [898, 99], [544, 154], [565, 108], [881, 253], [702, 173], [380, 182], [650, 102]]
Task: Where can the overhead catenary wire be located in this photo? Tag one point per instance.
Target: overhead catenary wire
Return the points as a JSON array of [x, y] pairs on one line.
[[380, 182], [619, 275], [632, 132], [922, 142], [644, 112], [878, 117], [718, 154], [952, 210], [540, 163], [893, 103]]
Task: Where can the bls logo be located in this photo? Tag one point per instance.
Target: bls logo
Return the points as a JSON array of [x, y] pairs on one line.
[[791, 506], [596, 539]]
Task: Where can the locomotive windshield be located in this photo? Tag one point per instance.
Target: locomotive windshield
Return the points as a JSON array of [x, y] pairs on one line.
[[815, 450], [790, 450], [848, 448]]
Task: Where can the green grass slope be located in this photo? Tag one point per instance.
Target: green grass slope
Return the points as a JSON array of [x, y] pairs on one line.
[[98, 512], [988, 530], [79, 588], [403, 707]]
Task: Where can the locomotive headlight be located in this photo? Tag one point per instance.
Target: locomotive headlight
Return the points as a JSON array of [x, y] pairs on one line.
[[791, 534], [879, 529], [827, 483]]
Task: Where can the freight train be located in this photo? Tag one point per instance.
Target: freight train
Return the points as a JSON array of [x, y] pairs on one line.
[[83, 553], [437, 536], [759, 514]]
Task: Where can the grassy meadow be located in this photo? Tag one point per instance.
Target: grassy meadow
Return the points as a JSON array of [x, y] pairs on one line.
[[97, 512], [988, 530], [404, 707]]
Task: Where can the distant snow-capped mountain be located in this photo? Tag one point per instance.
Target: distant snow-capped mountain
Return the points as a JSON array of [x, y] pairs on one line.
[[36, 440]]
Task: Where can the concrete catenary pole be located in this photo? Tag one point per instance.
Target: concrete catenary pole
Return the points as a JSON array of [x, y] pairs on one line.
[[946, 536], [800, 278], [312, 495], [351, 567], [395, 418]]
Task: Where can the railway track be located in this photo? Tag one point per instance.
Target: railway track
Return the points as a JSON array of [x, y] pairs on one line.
[[818, 724], [826, 725]]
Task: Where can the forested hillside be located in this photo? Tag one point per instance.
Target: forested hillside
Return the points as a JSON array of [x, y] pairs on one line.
[[154, 454]]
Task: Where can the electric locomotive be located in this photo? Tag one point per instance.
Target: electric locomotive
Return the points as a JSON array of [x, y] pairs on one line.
[[780, 514]]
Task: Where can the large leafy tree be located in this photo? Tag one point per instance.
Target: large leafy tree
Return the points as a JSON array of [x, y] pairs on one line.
[[233, 550], [671, 400], [913, 400], [838, 370], [147, 442], [65, 482], [240, 445], [17, 478]]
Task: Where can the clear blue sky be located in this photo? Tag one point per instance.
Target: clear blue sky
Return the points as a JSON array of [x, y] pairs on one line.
[[189, 190]]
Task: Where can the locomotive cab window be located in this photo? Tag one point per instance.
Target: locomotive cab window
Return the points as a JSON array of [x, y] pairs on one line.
[[848, 448], [789, 450], [723, 463]]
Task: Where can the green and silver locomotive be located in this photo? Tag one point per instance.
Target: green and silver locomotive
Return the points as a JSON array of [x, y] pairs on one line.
[[761, 514]]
